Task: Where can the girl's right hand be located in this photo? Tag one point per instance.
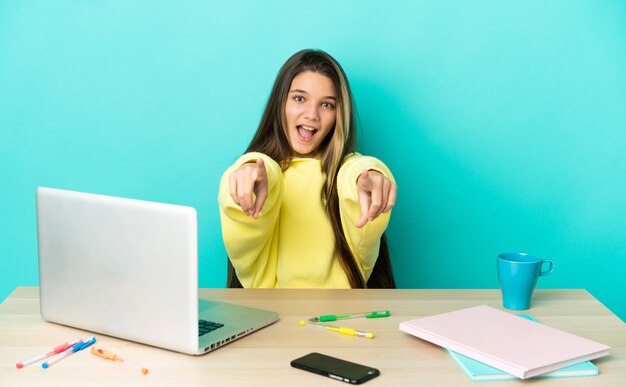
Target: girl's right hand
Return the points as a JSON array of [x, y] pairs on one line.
[[248, 187]]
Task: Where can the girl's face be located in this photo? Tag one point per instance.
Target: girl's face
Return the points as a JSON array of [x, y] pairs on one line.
[[310, 112]]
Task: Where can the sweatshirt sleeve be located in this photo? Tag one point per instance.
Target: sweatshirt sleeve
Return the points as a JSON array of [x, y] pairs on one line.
[[363, 242], [248, 241]]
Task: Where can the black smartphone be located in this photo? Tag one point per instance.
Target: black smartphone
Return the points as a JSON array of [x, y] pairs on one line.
[[335, 368]]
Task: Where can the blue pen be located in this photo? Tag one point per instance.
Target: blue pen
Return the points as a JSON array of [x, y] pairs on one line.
[[79, 346]]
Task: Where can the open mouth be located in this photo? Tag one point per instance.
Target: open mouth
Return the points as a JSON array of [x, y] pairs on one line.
[[305, 133]]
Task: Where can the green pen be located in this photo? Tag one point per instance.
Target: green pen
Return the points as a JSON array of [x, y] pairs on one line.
[[333, 317]]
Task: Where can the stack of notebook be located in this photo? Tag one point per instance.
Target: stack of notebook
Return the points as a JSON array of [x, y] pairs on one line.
[[479, 372], [512, 345]]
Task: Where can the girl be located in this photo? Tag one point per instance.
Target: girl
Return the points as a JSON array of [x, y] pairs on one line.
[[301, 209]]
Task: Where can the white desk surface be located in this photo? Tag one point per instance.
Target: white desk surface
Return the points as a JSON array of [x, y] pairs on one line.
[[262, 359]]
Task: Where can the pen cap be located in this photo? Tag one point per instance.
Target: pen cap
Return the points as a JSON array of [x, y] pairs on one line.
[[378, 314], [103, 353], [84, 344]]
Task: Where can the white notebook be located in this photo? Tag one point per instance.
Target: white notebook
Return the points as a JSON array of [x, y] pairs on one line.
[[502, 340]]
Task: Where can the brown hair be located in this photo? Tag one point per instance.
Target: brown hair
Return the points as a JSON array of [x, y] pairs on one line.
[[271, 139]]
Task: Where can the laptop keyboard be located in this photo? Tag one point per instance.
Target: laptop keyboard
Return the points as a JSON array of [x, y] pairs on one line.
[[207, 326]]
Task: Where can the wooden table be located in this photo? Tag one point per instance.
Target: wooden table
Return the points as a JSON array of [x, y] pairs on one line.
[[262, 359]]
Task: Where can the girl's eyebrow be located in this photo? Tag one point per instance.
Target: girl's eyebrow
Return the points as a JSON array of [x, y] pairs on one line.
[[306, 92]]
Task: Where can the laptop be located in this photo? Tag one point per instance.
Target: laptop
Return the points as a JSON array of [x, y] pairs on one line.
[[129, 269]]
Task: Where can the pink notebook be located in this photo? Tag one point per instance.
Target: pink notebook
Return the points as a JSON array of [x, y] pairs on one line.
[[517, 346]]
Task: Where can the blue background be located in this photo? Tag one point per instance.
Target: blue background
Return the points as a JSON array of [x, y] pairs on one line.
[[504, 122]]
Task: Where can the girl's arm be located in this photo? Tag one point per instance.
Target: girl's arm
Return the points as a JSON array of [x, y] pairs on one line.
[[363, 235], [248, 234]]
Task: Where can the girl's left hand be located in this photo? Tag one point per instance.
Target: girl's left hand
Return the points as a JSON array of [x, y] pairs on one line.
[[377, 194]]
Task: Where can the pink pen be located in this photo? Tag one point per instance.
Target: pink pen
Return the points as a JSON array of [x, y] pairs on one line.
[[53, 351]]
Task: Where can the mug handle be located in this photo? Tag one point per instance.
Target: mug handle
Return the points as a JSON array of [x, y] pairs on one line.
[[550, 268]]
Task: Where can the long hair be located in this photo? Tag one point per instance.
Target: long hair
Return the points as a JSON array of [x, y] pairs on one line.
[[271, 139]]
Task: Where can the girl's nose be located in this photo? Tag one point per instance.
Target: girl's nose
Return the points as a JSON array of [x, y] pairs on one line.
[[312, 112]]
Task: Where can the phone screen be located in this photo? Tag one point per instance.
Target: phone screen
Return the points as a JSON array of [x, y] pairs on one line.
[[335, 368]]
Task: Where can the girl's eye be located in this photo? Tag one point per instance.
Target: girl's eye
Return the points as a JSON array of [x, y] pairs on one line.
[[328, 105], [298, 98]]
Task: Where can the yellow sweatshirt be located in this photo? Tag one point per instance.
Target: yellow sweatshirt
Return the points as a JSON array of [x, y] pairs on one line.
[[291, 243]]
